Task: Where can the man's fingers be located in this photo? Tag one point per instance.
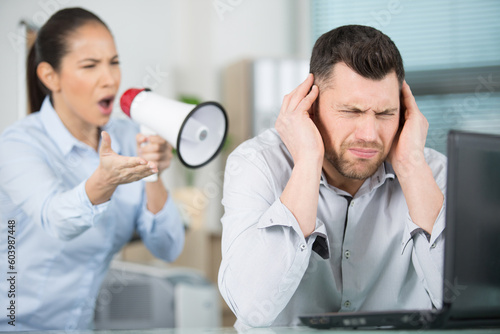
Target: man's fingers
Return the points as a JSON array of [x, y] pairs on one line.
[[300, 92], [308, 101], [408, 98], [285, 103]]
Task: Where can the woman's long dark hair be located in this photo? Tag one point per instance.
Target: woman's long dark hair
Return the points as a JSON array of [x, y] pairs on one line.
[[50, 46]]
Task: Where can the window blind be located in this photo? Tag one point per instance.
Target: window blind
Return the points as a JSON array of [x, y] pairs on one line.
[[451, 53]]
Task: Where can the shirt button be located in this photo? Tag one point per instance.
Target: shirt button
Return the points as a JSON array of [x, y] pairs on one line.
[[433, 245], [303, 246], [347, 304], [347, 253], [352, 204]]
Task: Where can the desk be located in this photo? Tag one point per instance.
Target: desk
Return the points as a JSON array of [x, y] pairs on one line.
[[276, 330]]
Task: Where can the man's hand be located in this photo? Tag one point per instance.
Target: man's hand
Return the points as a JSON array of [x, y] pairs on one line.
[[407, 152], [423, 196], [156, 150], [295, 126], [303, 140]]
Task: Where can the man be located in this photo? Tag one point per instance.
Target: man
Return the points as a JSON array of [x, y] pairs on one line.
[[340, 207]]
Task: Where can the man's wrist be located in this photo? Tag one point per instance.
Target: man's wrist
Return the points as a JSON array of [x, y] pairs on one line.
[[311, 162], [406, 168]]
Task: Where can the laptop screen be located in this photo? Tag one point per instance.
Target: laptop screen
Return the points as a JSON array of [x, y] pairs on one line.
[[472, 277]]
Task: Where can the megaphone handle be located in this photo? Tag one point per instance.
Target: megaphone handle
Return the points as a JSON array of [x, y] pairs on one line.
[[148, 132]]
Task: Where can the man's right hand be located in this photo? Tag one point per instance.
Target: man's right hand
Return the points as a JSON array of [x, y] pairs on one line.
[[295, 125], [303, 140]]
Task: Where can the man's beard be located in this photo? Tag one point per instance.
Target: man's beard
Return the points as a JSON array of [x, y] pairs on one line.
[[358, 169]]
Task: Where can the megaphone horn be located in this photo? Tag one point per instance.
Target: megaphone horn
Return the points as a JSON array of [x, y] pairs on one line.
[[197, 132]]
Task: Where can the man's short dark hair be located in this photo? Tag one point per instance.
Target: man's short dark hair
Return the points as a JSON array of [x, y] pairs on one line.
[[366, 50]]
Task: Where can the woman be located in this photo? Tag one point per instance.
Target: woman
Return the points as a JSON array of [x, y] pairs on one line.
[[67, 179]]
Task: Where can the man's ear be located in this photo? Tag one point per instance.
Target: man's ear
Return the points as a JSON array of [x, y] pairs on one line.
[[48, 76], [314, 111]]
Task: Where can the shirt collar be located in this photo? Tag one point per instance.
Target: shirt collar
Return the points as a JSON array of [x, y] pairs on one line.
[[58, 132], [383, 173]]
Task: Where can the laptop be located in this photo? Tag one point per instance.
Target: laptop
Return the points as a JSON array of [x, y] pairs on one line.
[[471, 286]]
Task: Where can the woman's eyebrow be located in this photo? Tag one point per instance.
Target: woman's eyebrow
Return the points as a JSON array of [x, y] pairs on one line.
[[94, 60]]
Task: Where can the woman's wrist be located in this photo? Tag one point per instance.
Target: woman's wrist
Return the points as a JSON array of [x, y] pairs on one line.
[[156, 195], [98, 189]]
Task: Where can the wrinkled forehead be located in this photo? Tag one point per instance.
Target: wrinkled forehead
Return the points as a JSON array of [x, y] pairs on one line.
[[346, 87], [340, 71]]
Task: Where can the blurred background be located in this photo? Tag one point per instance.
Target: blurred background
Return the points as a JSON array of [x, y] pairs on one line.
[[247, 54]]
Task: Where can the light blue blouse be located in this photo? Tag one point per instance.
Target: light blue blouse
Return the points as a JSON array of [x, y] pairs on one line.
[[63, 243]]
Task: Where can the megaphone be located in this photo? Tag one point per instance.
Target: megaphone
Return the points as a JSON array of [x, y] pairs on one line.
[[197, 132]]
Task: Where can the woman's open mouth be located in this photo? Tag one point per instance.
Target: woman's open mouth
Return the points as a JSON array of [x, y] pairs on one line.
[[106, 105]]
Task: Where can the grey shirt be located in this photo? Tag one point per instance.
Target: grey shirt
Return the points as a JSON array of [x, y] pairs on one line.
[[365, 253]]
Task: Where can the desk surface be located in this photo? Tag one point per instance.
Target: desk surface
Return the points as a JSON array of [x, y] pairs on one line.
[[276, 330]]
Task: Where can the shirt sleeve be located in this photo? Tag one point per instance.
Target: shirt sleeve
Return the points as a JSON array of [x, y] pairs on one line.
[[35, 188], [428, 250], [264, 252], [163, 232]]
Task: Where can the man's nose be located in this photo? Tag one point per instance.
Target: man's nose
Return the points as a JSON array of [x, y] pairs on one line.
[[366, 129]]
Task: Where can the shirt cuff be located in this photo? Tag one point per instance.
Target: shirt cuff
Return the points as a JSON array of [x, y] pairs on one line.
[[279, 215], [411, 229], [95, 210], [71, 213], [439, 224], [150, 220], [409, 232], [321, 244]]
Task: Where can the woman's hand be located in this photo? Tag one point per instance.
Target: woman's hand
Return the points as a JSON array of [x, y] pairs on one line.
[[157, 151], [114, 170], [154, 149]]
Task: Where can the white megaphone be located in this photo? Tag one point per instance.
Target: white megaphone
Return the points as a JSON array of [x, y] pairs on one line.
[[197, 132]]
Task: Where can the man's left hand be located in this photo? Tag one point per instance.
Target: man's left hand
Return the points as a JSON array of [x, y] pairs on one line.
[[407, 151]]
